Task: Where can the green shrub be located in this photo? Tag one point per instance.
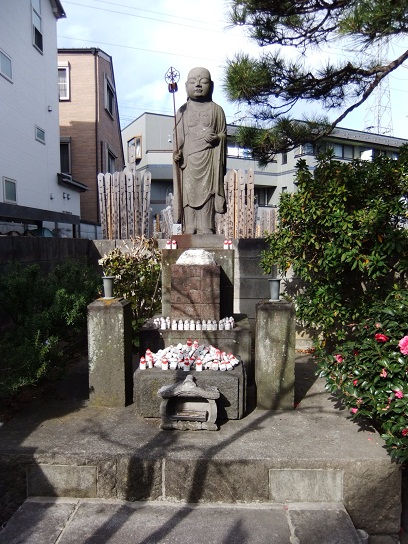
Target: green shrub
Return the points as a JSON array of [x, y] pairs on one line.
[[343, 235], [137, 269], [39, 311], [369, 372]]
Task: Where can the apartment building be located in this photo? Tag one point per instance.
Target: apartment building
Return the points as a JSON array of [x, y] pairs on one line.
[[148, 145], [32, 192], [89, 125]]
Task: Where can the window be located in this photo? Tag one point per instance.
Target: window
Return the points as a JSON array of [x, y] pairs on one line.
[[263, 195], [63, 82], [37, 24], [284, 158], [40, 135], [65, 153], [306, 149], [109, 96], [342, 151], [10, 190], [111, 162], [134, 149], [5, 66]]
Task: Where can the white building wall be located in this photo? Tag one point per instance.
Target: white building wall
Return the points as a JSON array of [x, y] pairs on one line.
[[31, 100]]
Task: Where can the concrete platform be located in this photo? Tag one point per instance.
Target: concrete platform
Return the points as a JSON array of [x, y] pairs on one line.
[[69, 521], [60, 446]]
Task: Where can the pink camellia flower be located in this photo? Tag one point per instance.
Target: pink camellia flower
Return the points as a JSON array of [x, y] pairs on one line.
[[398, 394], [355, 382], [403, 345], [354, 410], [404, 432], [380, 337], [383, 373], [378, 325], [338, 358]]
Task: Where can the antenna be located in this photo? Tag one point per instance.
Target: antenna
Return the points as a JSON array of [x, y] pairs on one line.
[[378, 113]]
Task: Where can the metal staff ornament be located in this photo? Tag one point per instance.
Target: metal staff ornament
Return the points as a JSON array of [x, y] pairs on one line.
[[172, 77]]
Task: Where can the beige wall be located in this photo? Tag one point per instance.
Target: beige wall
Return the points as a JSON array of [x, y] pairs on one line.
[[92, 130]]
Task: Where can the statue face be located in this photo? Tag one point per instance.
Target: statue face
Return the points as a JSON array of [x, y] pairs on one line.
[[199, 85]]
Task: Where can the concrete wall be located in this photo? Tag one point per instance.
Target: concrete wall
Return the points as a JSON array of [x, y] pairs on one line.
[[47, 252]]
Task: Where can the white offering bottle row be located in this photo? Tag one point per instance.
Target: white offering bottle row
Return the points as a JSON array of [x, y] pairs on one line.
[[164, 323]]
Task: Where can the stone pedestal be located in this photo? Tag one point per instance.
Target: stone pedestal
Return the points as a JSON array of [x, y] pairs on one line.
[[225, 262], [237, 340], [110, 352], [195, 291], [275, 355], [231, 385]]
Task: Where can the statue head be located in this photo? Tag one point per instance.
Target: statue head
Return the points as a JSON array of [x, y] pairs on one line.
[[199, 86]]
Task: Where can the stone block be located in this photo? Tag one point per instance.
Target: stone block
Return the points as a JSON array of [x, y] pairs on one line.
[[61, 481], [110, 352], [139, 478], [195, 291], [327, 525], [231, 384], [275, 355], [306, 485], [226, 481]]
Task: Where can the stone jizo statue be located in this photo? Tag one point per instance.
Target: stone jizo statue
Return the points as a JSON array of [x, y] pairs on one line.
[[199, 157]]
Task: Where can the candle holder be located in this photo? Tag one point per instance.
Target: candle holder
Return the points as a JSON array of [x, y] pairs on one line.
[[274, 288], [108, 287]]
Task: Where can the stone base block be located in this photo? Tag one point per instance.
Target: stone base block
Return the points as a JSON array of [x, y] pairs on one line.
[[231, 384]]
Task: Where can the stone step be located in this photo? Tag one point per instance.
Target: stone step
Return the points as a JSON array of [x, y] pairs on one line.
[[80, 521], [61, 446]]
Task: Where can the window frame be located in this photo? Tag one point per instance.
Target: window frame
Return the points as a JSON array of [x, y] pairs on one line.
[[111, 157], [36, 13], [66, 142], [66, 68], [110, 95], [11, 181], [3, 54], [37, 137]]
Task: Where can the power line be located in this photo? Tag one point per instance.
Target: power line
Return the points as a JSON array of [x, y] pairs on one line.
[[146, 10], [143, 17], [135, 48]]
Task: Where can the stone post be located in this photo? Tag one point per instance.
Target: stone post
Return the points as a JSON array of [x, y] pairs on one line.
[[110, 352], [275, 355]]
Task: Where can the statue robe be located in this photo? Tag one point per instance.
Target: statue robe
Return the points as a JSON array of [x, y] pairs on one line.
[[199, 176]]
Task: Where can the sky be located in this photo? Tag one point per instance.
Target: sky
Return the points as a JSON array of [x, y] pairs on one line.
[[145, 39]]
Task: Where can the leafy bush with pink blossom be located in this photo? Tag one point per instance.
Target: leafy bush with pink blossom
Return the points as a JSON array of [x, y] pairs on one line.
[[370, 371]]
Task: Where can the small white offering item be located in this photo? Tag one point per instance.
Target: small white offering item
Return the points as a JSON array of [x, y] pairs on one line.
[[199, 365], [142, 363]]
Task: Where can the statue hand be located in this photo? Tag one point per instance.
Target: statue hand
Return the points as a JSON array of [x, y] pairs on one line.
[[177, 156], [211, 138]]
